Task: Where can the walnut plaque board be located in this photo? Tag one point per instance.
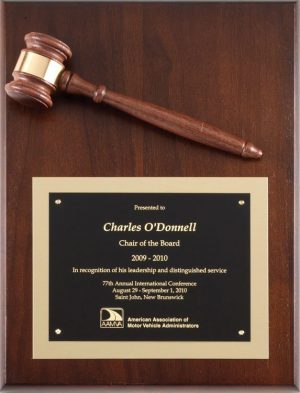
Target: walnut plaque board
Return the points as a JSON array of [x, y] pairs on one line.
[[229, 64]]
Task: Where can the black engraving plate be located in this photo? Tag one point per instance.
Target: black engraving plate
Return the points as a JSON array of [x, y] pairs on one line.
[[149, 267]]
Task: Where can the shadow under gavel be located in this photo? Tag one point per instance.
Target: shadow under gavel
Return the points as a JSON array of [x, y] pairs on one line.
[[40, 71]]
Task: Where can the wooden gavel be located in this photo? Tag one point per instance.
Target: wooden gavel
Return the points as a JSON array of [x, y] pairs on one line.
[[40, 71]]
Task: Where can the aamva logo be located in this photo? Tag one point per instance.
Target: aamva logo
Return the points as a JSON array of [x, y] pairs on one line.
[[111, 317]]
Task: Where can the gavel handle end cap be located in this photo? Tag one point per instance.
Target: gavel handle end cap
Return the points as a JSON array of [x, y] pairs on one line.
[[251, 151]]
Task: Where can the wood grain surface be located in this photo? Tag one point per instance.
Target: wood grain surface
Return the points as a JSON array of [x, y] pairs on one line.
[[228, 64]]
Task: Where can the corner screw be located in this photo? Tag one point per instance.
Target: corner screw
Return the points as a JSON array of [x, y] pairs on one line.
[[241, 332], [57, 331], [57, 201], [241, 202]]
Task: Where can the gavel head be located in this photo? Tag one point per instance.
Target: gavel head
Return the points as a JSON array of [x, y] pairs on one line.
[[38, 70]]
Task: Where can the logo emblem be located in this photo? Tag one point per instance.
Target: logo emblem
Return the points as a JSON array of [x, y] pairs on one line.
[[111, 317]]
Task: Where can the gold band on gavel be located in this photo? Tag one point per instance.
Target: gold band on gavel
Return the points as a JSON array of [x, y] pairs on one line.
[[40, 66]]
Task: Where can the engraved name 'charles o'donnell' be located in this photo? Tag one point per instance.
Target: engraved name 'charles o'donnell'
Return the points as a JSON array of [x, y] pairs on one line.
[[150, 227]]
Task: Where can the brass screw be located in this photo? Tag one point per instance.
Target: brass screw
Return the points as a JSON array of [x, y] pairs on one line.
[[241, 202]]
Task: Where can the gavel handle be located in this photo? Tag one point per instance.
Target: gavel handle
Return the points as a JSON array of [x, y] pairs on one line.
[[165, 119]]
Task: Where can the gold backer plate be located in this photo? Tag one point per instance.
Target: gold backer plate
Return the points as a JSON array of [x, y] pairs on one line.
[[257, 348]]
